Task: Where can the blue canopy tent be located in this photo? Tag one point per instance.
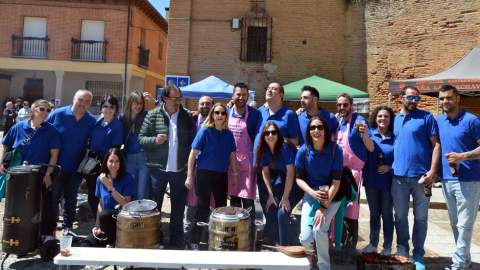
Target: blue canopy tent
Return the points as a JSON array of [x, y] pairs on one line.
[[211, 86]]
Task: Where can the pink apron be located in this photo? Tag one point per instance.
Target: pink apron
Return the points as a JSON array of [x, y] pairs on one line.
[[355, 164], [246, 181]]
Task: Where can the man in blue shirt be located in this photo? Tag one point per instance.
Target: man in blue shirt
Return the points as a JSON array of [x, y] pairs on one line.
[[309, 100], [417, 155], [74, 123], [352, 137], [459, 133]]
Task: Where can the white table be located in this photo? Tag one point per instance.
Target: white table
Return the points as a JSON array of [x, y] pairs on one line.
[[158, 258]]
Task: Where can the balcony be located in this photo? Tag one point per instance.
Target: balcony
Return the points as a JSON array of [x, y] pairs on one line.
[[30, 47], [89, 50], [143, 56]]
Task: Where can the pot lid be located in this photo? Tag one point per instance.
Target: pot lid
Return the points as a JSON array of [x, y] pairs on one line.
[[24, 169], [140, 206], [230, 213]]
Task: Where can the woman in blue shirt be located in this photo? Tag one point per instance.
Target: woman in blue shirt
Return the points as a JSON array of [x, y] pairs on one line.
[[114, 186], [107, 133], [38, 142], [377, 179], [276, 159], [135, 158], [319, 165], [213, 150]]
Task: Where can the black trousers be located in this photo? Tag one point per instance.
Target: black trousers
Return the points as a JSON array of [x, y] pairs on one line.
[[108, 225], [92, 199], [208, 182]]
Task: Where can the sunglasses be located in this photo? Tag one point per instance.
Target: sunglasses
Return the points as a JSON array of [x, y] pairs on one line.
[[412, 98], [109, 107], [220, 112], [270, 132], [42, 109], [319, 127]]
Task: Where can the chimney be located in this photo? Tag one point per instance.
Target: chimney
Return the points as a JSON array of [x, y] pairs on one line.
[[167, 10]]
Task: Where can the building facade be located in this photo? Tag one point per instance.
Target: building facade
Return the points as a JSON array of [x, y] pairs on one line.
[[49, 49], [258, 41]]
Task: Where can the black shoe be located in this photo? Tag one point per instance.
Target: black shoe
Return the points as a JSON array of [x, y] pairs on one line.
[[49, 250]]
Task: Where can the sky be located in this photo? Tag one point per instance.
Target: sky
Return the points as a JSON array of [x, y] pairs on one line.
[[160, 5]]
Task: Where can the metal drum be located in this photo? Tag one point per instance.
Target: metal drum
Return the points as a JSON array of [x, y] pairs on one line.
[[22, 215], [229, 229], [138, 225]]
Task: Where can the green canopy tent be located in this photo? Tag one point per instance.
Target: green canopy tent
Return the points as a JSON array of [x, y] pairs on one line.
[[329, 90]]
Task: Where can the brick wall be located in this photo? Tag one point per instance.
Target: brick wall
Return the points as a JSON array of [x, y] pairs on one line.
[[308, 37], [64, 20], [405, 43]]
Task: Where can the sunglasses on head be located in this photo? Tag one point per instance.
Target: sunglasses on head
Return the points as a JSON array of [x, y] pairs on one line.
[[412, 98], [271, 132], [319, 127], [108, 107], [42, 109], [220, 112]]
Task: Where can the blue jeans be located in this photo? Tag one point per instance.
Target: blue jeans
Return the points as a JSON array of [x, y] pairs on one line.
[[381, 205], [66, 183], [320, 233], [277, 225], [402, 188], [462, 201], [137, 167], [178, 197]]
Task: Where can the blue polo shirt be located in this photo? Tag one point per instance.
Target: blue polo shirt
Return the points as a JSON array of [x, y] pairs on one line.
[[74, 136], [214, 148], [106, 137], [37, 151], [382, 154], [460, 135], [412, 146], [285, 157], [132, 145], [304, 118], [253, 120], [124, 185], [354, 137], [319, 166], [284, 118]]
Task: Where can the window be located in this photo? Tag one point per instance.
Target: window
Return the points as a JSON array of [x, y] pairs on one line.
[[34, 37], [160, 51], [100, 89], [92, 41], [256, 39]]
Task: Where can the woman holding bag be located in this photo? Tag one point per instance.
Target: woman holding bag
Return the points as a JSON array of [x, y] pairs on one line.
[[107, 133]]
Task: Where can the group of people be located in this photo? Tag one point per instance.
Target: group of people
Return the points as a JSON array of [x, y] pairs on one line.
[[227, 151], [15, 111]]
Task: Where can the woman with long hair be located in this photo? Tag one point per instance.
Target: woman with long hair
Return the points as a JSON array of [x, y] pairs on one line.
[[114, 186], [107, 133], [213, 150], [377, 179], [319, 165], [38, 142], [135, 157], [276, 159]]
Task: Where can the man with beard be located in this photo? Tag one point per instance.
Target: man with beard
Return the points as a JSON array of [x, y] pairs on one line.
[[243, 121], [352, 137], [459, 133], [417, 156], [205, 103], [167, 134], [309, 102]]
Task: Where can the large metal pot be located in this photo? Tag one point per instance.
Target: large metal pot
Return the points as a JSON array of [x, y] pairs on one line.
[[229, 229], [22, 215], [138, 225]]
